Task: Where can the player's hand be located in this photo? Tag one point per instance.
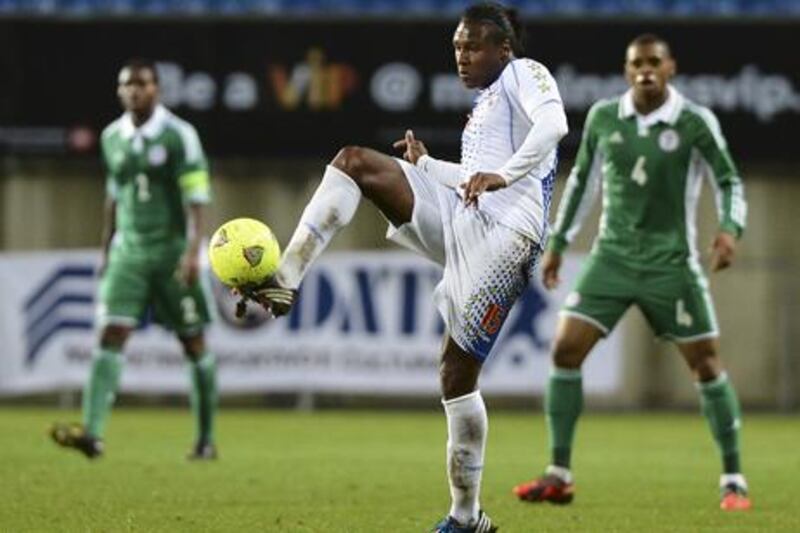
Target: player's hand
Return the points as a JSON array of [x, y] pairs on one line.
[[722, 251], [412, 148], [189, 268], [551, 264], [480, 183]]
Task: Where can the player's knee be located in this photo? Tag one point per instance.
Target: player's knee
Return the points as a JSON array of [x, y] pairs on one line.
[[113, 337], [352, 161], [193, 347], [567, 354], [707, 365], [357, 163], [456, 380]]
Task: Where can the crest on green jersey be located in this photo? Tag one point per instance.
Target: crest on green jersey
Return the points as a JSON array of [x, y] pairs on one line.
[[669, 140], [157, 155]]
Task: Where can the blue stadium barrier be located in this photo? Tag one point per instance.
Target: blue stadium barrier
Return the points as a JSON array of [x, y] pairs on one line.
[[582, 8]]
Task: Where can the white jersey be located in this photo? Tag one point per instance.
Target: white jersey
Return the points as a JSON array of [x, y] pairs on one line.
[[499, 123]]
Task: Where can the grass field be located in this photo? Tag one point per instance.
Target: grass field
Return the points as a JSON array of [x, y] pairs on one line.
[[354, 471]]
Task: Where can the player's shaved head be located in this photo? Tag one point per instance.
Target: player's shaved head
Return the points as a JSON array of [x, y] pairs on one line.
[[140, 63], [646, 39]]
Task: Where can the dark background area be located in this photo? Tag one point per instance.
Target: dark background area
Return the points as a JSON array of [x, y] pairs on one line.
[[58, 77]]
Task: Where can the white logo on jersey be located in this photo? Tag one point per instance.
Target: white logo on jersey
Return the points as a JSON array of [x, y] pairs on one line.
[[616, 138], [157, 155], [669, 140]]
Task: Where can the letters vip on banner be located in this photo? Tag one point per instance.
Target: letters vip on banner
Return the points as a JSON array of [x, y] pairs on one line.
[[364, 323]]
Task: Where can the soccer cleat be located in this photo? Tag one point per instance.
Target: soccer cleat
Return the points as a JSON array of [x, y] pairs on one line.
[[547, 488], [74, 436], [450, 525], [202, 451], [734, 498], [275, 299]]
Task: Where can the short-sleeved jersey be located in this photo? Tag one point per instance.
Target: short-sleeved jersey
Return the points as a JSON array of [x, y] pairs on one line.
[[650, 170], [153, 172], [499, 123]]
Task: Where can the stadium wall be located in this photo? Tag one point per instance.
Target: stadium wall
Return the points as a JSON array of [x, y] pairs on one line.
[[54, 204], [264, 90]]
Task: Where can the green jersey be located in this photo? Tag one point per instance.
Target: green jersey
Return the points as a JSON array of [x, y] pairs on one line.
[[153, 172], [651, 168]]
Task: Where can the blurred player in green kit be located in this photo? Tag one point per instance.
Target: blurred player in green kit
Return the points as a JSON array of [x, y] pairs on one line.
[[650, 148], [157, 189]]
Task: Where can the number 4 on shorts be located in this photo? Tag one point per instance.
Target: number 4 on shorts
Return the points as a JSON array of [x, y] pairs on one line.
[[682, 317]]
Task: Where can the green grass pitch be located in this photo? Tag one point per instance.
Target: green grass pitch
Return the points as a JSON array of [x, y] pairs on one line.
[[366, 471]]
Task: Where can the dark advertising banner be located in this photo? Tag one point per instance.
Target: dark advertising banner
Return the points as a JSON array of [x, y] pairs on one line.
[[273, 89]]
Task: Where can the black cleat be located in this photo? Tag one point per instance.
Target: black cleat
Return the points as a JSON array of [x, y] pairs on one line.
[[74, 436], [202, 451], [275, 299]]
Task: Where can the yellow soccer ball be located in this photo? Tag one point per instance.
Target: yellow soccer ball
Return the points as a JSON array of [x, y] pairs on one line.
[[243, 252]]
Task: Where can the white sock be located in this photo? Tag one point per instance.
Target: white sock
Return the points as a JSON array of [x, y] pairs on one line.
[[467, 426], [732, 479], [564, 474], [331, 208]]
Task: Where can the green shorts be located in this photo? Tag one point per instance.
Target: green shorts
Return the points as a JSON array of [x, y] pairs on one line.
[[132, 283], [674, 300]]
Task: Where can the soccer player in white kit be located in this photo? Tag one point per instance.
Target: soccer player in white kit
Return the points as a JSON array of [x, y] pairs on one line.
[[483, 219]]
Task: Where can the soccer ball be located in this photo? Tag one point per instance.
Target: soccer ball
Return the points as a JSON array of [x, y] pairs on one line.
[[243, 252]]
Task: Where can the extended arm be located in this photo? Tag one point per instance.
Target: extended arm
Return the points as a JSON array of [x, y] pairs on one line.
[[581, 189], [414, 151], [445, 172]]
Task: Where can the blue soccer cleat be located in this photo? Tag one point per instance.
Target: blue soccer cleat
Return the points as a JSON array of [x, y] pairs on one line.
[[450, 525]]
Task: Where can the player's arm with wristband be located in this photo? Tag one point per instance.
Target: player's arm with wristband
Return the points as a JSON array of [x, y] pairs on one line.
[[195, 186]]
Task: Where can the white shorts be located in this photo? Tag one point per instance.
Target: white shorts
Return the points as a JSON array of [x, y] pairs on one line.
[[486, 265]]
